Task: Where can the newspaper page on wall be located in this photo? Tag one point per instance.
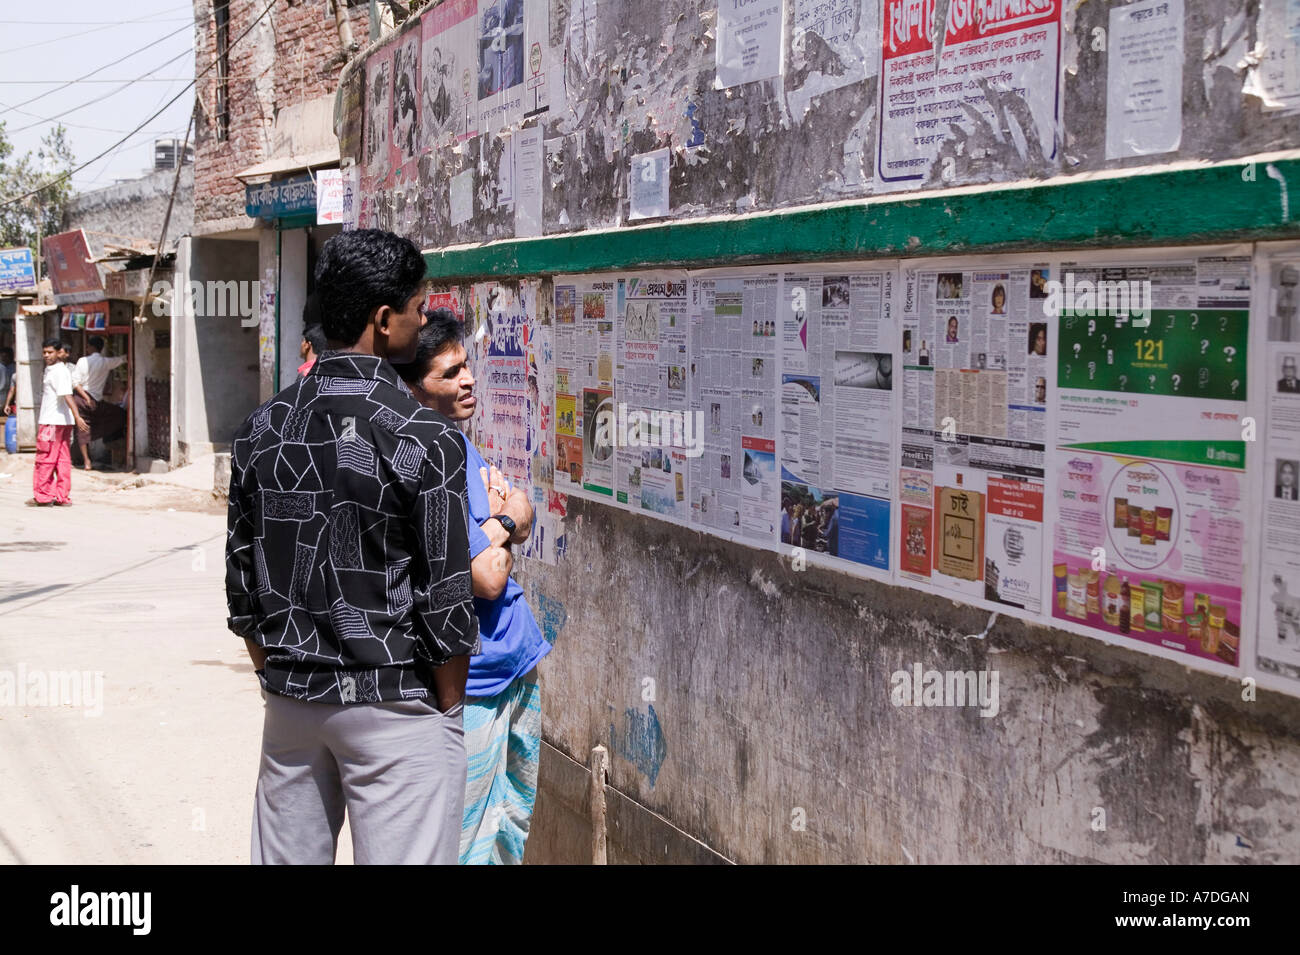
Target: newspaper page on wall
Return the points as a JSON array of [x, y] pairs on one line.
[[652, 429], [838, 336], [974, 431], [586, 307], [734, 318], [508, 345], [1149, 467], [1011, 48], [1277, 648]]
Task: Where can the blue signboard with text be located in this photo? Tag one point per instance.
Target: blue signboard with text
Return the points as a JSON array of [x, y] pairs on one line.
[[16, 270], [280, 198]]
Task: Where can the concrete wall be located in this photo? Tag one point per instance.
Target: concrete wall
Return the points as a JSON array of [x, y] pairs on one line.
[[771, 709], [135, 209], [214, 358]]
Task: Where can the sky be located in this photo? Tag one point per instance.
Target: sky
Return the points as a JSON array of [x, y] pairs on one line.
[[41, 49]]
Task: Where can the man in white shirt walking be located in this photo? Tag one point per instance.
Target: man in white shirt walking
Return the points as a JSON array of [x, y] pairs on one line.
[[89, 379], [52, 477]]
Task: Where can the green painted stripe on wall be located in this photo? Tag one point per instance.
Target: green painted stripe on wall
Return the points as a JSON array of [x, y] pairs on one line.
[[1175, 207]]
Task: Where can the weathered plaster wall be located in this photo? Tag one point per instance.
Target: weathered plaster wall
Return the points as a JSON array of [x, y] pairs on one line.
[[771, 695], [640, 77]]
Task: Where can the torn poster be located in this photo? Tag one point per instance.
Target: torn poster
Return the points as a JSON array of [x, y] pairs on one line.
[[462, 197], [832, 44], [749, 41], [1144, 81], [991, 55], [1276, 80]]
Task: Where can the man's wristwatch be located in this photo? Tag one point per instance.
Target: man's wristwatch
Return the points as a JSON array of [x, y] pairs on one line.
[[507, 523]]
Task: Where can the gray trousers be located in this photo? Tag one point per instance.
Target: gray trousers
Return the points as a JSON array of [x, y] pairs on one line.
[[398, 768]]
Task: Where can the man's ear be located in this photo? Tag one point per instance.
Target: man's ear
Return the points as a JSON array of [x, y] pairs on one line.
[[380, 319]]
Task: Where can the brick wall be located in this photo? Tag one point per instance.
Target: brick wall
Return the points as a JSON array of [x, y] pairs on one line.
[[292, 55]]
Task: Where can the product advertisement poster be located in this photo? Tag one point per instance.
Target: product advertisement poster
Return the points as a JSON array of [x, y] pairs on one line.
[[838, 336], [1275, 658], [976, 367], [1006, 47], [735, 485], [1149, 466]]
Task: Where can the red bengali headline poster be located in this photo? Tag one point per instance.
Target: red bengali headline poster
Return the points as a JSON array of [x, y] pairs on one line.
[[995, 53]]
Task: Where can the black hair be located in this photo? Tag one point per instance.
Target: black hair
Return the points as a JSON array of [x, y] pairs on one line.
[[95, 341], [359, 271], [442, 328], [314, 335], [54, 343]]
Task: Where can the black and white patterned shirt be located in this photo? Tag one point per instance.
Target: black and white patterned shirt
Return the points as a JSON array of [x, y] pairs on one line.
[[347, 553]]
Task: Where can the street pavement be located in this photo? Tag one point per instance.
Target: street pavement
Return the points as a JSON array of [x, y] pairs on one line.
[[127, 583]]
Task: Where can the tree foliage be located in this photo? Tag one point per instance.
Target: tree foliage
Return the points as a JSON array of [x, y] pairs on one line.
[[18, 220]]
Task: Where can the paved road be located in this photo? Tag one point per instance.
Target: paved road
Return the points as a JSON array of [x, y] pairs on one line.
[[128, 583]]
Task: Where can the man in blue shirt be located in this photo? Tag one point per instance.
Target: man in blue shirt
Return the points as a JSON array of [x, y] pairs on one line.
[[503, 712]]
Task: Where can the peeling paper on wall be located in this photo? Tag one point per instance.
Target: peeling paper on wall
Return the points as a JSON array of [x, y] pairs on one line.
[[837, 40], [1273, 66]]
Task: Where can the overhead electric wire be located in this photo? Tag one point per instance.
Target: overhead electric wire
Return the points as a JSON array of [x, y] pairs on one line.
[[69, 36], [206, 70], [90, 102], [82, 79]]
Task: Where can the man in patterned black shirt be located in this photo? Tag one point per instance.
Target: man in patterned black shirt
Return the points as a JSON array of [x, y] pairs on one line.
[[348, 576]]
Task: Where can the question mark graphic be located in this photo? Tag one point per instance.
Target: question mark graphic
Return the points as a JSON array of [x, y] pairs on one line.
[[1103, 339], [1092, 326], [1092, 370], [1229, 351], [1177, 380], [1152, 381], [1205, 343], [1223, 322], [1110, 356], [1203, 377], [1067, 371], [1123, 382], [1235, 385], [1195, 319], [1077, 348]]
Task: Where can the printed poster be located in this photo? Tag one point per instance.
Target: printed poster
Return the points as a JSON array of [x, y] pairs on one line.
[[837, 335], [449, 104], [735, 482], [1149, 466], [655, 434], [1011, 47], [972, 472], [748, 42], [1277, 647]]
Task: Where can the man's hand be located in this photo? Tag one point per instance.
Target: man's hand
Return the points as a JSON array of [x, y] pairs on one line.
[[82, 426], [449, 682], [256, 654], [498, 489]]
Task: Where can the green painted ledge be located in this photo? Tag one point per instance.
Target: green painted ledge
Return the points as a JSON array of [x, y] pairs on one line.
[[1173, 207]]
